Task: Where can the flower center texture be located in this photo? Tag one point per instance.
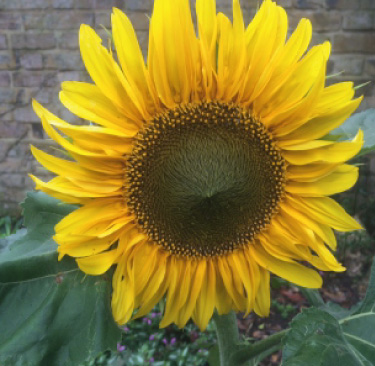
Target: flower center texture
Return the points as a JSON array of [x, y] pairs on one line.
[[204, 179]]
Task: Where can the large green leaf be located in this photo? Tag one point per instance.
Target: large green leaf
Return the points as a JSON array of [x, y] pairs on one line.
[[51, 314], [364, 121], [34, 254], [317, 338]]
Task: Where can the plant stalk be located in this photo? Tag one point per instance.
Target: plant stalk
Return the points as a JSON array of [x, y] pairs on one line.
[[312, 296], [227, 336], [266, 346]]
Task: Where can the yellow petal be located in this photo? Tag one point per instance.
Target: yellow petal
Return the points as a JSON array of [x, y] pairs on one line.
[[207, 27], [173, 51], [61, 187], [293, 272], [323, 151], [301, 219], [172, 307], [206, 300], [131, 60], [238, 261], [123, 293], [88, 102], [226, 275], [340, 180], [97, 264], [112, 163], [63, 196], [319, 126], [284, 64], [107, 75], [327, 211], [270, 24], [73, 170], [309, 172], [263, 298], [296, 86], [90, 215], [298, 114]]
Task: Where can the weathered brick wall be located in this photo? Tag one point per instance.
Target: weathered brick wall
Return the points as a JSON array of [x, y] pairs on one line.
[[39, 50]]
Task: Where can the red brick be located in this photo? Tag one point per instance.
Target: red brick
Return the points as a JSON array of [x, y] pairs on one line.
[[85, 4], [33, 41], [13, 130], [343, 4], [350, 65], [3, 42], [34, 4], [370, 66], [26, 114], [10, 21], [108, 4], [63, 4], [31, 61], [72, 76], [323, 21], [367, 103], [354, 42], [36, 78], [68, 20], [7, 96], [139, 5], [62, 19], [4, 78], [10, 4], [6, 61], [140, 21], [103, 19], [368, 4], [63, 61], [359, 21], [68, 40], [307, 4]]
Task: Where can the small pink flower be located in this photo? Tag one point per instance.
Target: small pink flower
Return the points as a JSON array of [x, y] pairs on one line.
[[120, 347]]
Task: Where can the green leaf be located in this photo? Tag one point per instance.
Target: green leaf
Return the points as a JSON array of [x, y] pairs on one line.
[[8, 240], [51, 314], [364, 121], [34, 254], [318, 338]]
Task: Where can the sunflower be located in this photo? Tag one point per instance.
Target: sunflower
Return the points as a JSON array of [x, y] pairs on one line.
[[203, 170]]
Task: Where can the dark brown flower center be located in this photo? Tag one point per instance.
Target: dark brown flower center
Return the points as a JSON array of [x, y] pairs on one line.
[[203, 180]]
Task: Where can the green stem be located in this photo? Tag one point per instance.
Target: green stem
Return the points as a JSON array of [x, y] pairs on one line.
[[227, 336], [265, 347], [312, 296]]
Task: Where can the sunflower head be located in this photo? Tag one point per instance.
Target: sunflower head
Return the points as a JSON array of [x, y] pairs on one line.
[[203, 170]]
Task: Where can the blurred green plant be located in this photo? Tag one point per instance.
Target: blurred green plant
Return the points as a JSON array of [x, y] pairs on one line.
[[9, 225], [144, 343], [285, 310]]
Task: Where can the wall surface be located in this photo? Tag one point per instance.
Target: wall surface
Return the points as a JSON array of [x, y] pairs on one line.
[[39, 50]]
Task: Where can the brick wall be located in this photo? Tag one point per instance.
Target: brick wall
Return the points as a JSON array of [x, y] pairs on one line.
[[39, 50]]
